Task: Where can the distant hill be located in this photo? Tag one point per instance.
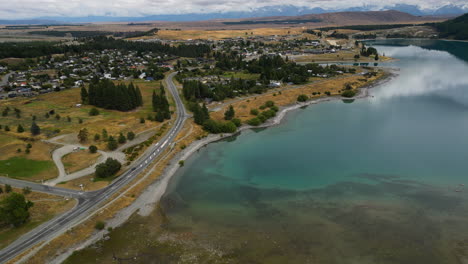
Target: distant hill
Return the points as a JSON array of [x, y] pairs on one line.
[[266, 11], [338, 18], [456, 28], [29, 22]]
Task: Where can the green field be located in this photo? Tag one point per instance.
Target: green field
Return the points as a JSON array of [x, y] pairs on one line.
[[18, 167]]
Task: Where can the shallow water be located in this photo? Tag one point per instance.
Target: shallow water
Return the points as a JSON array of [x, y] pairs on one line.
[[375, 181], [380, 180]]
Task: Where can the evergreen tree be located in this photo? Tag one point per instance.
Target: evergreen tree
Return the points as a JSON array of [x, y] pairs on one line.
[[35, 129], [112, 143], [104, 134], [20, 129], [229, 114], [122, 138], [84, 95], [83, 135]]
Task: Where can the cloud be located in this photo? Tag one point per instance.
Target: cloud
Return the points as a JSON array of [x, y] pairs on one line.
[[76, 8]]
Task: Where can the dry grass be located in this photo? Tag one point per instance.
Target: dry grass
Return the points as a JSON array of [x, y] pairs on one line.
[[76, 161], [64, 104], [289, 95], [220, 34], [343, 55], [45, 207], [87, 182], [189, 134]]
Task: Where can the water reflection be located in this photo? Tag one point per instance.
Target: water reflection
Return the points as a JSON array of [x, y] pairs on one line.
[[426, 72]]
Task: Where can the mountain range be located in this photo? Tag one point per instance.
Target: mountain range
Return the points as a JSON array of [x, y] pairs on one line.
[[269, 11]]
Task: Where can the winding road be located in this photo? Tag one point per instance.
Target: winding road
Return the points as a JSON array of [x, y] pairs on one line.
[[89, 201]]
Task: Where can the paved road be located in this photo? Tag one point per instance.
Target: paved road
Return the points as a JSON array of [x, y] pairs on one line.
[[88, 201]]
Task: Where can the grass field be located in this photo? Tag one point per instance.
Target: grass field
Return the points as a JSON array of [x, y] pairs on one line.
[[76, 161], [221, 34], [63, 104], [20, 167], [288, 95], [45, 207]]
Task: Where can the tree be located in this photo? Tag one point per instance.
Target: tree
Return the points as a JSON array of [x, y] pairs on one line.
[[57, 116], [93, 112], [122, 139], [7, 128], [20, 129], [112, 143], [35, 129], [104, 134], [93, 149], [97, 137], [130, 135], [14, 209], [229, 114], [109, 168], [83, 135], [8, 188], [84, 95], [1, 190], [142, 120], [68, 119]]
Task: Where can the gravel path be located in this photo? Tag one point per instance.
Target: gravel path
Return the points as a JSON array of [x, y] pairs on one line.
[[59, 153]]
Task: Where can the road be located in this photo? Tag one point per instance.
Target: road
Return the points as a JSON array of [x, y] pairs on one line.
[[89, 201]]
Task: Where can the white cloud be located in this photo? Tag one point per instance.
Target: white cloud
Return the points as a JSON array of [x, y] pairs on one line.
[[36, 8]]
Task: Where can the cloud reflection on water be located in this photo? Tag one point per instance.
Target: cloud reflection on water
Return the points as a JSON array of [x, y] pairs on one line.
[[426, 72]]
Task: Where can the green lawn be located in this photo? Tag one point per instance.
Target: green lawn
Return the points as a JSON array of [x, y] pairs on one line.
[[18, 167]]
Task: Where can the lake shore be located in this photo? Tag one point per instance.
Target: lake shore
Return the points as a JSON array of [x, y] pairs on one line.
[[146, 202]]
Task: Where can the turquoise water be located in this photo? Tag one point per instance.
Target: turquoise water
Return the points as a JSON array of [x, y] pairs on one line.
[[380, 180]]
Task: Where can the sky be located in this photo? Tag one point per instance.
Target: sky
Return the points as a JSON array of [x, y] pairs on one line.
[[16, 9]]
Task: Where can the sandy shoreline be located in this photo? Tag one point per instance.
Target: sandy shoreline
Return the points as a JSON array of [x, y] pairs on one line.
[[147, 201]]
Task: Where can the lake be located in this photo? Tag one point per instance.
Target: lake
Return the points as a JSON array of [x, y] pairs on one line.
[[380, 180]]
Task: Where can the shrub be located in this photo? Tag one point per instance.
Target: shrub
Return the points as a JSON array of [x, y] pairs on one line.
[[142, 120], [181, 163], [348, 93], [236, 122], [93, 112], [26, 190], [302, 98], [269, 103], [254, 121], [100, 225], [122, 139], [92, 149], [130, 135], [20, 129], [328, 93], [254, 112]]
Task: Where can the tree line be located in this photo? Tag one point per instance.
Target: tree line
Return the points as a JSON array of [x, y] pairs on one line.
[[42, 48], [105, 94], [161, 105]]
